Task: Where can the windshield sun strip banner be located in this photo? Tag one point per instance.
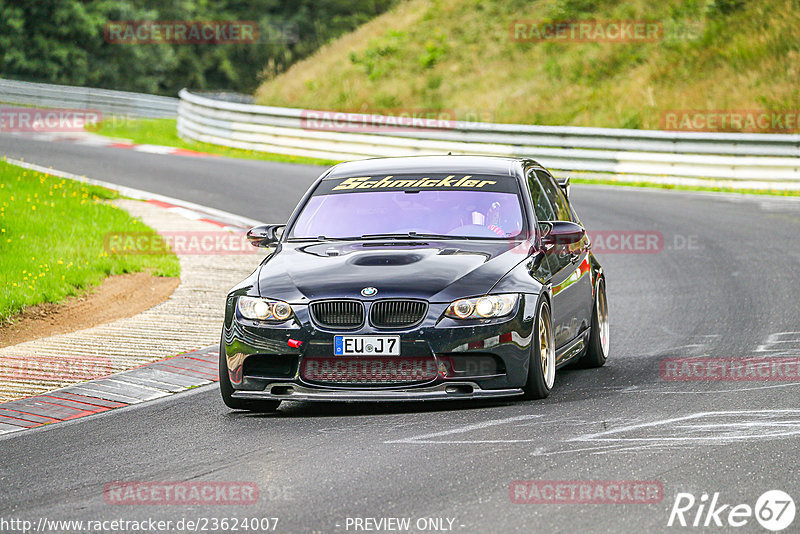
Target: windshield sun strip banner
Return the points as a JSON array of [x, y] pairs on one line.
[[427, 182]]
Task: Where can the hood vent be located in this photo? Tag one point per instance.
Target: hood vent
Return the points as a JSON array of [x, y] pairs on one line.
[[377, 260]]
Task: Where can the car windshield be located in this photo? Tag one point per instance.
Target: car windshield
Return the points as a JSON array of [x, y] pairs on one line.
[[454, 206]]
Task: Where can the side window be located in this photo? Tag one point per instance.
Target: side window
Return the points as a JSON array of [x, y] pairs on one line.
[[541, 204], [560, 205]]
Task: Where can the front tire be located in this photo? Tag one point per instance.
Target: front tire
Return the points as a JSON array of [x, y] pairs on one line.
[[226, 389], [597, 351], [542, 365]]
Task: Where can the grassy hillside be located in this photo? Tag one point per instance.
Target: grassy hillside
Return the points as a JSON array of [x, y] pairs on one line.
[[459, 55]]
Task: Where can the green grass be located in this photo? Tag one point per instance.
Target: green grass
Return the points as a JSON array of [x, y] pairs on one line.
[[52, 239], [164, 132]]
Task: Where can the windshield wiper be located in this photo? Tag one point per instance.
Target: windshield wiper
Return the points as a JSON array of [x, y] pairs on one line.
[[322, 238], [409, 235]]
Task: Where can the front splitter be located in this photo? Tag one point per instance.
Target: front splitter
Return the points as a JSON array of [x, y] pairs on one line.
[[446, 391]]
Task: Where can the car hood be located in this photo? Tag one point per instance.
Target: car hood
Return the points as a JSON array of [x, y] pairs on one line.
[[435, 271]]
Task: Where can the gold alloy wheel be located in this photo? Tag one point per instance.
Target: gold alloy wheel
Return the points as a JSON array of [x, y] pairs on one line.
[[547, 353], [602, 320]]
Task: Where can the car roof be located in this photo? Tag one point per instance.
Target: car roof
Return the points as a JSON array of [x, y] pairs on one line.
[[499, 166]]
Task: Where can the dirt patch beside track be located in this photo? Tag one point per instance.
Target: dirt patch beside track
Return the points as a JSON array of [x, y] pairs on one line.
[[119, 296]]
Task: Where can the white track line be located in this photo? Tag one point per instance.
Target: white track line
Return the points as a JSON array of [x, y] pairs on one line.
[[426, 438]]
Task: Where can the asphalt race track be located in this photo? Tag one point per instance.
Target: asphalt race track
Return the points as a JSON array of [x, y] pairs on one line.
[[723, 283]]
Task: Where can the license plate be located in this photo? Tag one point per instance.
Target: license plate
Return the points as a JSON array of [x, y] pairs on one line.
[[366, 345]]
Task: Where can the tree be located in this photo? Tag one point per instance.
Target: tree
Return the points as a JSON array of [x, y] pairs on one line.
[[62, 41]]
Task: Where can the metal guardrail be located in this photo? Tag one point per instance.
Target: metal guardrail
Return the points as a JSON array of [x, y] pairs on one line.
[[109, 102], [773, 157]]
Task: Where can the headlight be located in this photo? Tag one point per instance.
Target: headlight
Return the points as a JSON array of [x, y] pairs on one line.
[[263, 309], [482, 307]]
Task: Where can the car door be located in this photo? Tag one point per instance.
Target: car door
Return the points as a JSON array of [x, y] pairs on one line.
[[554, 267], [572, 287]]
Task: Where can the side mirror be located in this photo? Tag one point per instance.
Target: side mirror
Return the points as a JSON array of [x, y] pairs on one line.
[[265, 235], [562, 233], [563, 183]]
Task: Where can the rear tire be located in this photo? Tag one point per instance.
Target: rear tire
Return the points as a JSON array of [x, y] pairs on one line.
[[597, 351], [542, 365], [226, 389]]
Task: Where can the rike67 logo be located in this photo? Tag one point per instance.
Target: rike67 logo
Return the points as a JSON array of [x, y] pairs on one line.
[[774, 510]]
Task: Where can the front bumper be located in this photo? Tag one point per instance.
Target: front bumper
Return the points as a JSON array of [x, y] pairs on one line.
[[262, 365]]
